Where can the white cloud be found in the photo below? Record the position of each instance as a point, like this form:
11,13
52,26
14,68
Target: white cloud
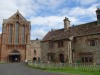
26,7
37,33
82,12
51,21
30,8
50,3
85,2
55,22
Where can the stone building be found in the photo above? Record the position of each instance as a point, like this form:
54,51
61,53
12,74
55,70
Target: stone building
80,44
35,53
15,39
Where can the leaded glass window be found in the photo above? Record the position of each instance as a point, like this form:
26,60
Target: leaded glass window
23,34
16,32
10,34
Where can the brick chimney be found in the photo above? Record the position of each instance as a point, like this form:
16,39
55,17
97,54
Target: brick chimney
66,24
98,16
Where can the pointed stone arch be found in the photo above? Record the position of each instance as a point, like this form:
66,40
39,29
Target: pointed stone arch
14,56
14,52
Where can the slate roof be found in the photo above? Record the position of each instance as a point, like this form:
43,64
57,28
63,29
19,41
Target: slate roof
75,31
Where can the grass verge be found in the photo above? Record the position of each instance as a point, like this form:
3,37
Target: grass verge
66,71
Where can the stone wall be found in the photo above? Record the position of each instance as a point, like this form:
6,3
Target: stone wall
78,45
35,51
56,50
82,45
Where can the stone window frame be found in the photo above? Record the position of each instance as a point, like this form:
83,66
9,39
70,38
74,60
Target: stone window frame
86,57
51,57
51,44
60,43
93,42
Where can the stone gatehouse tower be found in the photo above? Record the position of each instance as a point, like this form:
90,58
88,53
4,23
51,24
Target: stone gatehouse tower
15,39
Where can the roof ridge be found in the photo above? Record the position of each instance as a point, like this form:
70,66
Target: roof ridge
82,29
85,23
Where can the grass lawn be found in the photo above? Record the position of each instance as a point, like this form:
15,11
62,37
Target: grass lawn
74,72
66,71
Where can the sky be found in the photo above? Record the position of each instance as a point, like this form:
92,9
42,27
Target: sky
46,15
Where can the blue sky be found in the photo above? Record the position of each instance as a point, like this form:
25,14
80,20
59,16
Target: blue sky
49,14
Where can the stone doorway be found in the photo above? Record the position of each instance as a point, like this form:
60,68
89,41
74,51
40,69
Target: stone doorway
14,56
61,58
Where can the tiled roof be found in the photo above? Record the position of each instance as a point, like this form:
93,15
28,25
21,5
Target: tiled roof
79,30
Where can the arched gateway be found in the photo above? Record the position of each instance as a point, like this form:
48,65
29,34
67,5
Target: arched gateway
14,56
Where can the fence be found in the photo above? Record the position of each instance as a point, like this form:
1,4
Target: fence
63,66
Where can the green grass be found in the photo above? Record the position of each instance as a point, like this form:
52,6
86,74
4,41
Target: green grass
67,70
74,72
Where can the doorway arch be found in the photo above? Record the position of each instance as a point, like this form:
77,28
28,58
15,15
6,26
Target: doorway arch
14,56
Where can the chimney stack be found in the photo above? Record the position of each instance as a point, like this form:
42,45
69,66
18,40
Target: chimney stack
98,16
66,24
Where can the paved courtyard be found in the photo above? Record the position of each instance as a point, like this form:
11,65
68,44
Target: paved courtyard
21,69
